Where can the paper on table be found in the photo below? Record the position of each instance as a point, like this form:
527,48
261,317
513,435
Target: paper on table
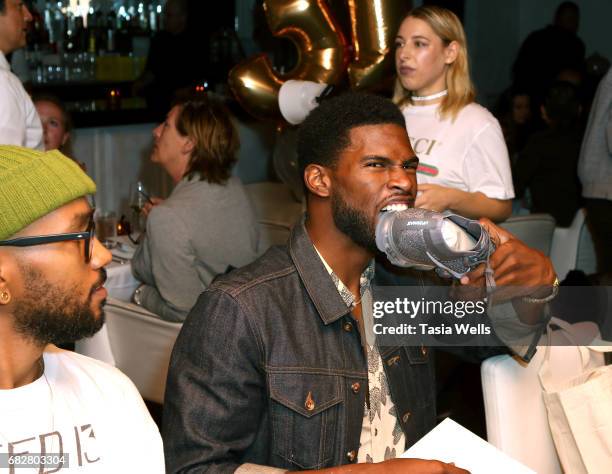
451,442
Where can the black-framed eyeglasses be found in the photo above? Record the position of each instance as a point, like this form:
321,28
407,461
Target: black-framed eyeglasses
88,236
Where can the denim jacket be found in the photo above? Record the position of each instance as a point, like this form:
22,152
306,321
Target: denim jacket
269,369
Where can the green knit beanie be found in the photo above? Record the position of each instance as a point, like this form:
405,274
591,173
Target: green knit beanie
34,183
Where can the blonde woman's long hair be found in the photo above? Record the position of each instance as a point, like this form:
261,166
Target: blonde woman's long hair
461,90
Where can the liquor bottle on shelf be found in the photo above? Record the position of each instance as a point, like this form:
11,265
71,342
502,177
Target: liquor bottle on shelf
111,31
48,18
92,39
143,18
80,35
69,32
154,10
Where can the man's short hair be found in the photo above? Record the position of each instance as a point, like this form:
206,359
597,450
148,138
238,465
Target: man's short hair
207,122
2,7
326,131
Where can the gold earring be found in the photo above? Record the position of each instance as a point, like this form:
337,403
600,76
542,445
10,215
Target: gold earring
5,297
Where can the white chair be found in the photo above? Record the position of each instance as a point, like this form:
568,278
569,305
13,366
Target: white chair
535,230
276,210
572,247
138,343
517,422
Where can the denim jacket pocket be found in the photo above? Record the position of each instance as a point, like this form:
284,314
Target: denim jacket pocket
417,354
305,411
404,366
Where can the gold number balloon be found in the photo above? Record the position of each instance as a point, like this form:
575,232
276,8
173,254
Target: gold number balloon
321,48
374,24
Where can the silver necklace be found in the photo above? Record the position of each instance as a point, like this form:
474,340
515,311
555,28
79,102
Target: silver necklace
423,98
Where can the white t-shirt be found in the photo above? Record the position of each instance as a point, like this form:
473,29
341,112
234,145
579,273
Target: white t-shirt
19,121
83,408
468,153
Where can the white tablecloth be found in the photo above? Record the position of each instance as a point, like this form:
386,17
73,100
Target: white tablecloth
120,283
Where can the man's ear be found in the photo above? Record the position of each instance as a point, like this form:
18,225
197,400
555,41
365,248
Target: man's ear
5,294
188,146
317,180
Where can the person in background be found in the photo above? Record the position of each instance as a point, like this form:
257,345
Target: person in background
207,225
547,167
19,122
516,119
56,123
171,66
595,172
53,401
547,52
464,163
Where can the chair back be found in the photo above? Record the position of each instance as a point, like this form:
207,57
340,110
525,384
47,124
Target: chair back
535,230
276,210
572,247
516,418
141,345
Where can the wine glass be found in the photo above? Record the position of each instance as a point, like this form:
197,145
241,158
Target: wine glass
138,198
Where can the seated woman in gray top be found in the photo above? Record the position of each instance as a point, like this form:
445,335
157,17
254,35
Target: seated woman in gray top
207,225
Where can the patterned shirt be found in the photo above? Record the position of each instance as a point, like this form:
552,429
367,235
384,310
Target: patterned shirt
381,435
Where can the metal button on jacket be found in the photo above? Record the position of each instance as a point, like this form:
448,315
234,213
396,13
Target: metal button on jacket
348,327
309,403
351,456
355,387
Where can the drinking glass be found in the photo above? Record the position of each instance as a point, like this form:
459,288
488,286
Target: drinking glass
138,198
106,227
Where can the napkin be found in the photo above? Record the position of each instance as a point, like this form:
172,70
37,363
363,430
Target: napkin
451,442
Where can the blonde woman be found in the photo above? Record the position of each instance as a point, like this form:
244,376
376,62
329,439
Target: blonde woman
464,165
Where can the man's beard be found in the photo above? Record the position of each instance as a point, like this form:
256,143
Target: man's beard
353,222
49,314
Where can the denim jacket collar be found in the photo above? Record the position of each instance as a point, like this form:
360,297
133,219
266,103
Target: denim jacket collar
316,279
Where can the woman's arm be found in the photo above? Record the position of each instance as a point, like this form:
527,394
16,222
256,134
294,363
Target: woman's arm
472,205
175,284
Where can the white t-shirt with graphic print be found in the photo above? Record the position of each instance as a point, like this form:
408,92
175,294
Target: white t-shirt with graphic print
468,153
83,408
